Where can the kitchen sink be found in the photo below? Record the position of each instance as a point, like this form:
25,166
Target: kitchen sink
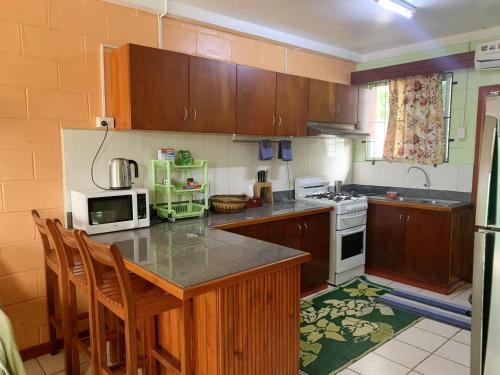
437,202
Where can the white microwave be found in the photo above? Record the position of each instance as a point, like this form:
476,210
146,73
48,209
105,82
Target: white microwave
110,210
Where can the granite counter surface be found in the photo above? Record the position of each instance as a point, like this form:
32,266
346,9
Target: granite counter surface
190,252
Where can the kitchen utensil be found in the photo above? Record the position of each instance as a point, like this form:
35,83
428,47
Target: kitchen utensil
338,187
228,204
120,177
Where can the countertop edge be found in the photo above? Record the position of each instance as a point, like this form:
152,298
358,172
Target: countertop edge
198,289
267,219
422,206
195,290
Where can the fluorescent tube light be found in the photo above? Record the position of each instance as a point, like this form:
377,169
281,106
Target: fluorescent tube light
397,6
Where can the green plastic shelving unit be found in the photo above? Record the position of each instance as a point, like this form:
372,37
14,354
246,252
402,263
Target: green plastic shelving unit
170,199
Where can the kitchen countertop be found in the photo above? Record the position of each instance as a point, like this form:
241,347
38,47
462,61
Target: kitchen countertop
268,212
191,252
423,203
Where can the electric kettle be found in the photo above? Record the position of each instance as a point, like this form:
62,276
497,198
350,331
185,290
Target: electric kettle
120,177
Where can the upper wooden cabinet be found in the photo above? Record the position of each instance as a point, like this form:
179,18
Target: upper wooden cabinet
292,104
256,101
321,101
333,102
212,96
346,104
149,88
155,89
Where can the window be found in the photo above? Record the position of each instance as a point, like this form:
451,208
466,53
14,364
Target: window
378,127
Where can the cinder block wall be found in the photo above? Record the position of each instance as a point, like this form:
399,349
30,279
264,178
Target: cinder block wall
49,79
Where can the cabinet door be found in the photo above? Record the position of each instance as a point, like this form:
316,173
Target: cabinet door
257,231
286,232
321,100
149,88
427,245
316,241
212,96
292,100
385,238
256,101
346,104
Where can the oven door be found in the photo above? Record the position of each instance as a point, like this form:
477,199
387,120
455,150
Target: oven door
350,248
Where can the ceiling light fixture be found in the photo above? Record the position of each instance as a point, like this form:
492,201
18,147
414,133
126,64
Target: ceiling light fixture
397,6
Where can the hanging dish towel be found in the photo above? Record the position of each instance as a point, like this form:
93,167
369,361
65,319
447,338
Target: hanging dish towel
285,151
265,150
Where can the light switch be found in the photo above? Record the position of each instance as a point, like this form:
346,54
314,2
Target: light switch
460,133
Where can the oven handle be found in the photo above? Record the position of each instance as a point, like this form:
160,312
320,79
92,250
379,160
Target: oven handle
346,232
352,215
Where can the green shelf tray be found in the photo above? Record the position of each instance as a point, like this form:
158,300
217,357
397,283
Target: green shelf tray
163,165
181,210
179,191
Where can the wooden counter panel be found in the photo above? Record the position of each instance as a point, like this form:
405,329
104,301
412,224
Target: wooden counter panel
250,328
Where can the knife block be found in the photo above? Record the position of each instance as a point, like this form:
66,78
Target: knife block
267,187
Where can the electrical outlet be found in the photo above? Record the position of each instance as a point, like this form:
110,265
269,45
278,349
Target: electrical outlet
100,122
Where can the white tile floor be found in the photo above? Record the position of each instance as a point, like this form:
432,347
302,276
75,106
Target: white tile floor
428,348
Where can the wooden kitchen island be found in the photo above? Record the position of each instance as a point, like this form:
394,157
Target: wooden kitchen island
241,296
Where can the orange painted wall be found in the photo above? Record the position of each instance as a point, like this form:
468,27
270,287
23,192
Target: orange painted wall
49,78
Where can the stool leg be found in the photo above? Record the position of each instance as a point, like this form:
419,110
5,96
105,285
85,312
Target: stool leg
49,284
100,339
131,346
150,339
73,329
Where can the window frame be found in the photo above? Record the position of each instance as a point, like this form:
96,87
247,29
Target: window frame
447,110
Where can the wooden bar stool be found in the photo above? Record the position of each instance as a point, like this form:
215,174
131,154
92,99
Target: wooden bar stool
56,279
134,300
79,280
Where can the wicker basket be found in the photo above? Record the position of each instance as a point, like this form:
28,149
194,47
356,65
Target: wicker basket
228,204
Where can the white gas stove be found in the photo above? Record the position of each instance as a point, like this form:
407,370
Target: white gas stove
348,226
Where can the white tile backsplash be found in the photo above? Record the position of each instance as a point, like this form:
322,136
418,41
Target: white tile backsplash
232,166
452,177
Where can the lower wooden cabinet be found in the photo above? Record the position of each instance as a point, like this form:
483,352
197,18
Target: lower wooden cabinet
309,233
431,248
385,238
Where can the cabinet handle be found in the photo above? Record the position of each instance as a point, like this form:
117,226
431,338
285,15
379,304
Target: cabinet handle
279,121
300,228
408,218
185,113
305,226
194,114
274,120
401,218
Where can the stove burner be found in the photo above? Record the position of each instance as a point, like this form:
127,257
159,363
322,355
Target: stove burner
331,196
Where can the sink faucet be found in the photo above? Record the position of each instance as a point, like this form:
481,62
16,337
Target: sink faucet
427,180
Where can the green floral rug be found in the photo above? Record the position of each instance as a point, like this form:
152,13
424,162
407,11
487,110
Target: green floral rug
340,326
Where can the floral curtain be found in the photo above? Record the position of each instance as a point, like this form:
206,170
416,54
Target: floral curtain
415,131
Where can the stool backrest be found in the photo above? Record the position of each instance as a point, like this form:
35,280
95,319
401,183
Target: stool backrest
105,259
50,239
68,241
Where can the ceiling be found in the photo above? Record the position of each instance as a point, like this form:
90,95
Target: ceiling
361,25
358,26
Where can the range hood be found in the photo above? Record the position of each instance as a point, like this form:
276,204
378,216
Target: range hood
338,130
